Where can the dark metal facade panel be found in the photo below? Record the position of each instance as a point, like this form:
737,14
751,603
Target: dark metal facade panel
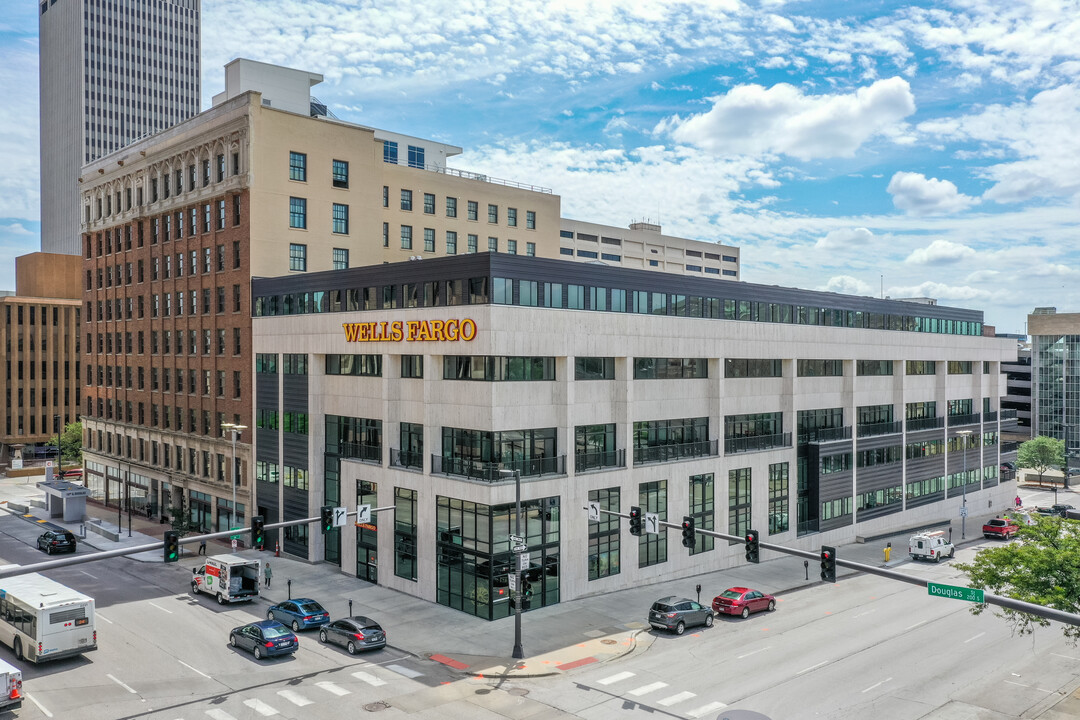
836,522
294,390
295,507
925,468
879,477
266,391
879,511
266,445
834,486
914,436
957,460
928,499
295,450
876,442
267,503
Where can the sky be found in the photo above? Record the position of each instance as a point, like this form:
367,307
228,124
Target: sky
921,149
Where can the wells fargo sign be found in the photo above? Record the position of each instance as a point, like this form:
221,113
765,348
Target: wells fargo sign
410,331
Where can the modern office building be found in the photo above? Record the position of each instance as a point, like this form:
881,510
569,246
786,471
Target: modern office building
39,334
811,417
1055,376
642,245
1018,388
263,184
111,71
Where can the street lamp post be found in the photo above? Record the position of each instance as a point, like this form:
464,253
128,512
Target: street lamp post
519,651
59,462
235,429
965,434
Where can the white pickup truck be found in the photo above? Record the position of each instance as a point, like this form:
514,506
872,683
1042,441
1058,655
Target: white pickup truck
229,578
10,687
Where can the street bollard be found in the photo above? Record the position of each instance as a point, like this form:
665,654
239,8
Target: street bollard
698,595
289,584
888,551
350,608
806,567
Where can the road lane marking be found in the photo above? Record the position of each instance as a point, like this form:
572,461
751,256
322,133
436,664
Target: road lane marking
706,709
368,678
646,689
260,707
407,672
753,652
812,667
877,684
1067,657
149,602
677,698
194,670
218,714
295,698
910,627
99,616
864,613
974,637
40,706
1016,683
126,687
615,678
332,688
88,574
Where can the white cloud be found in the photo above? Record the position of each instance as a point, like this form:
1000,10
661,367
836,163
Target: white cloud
938,252
845,239
919,195
752,119
847,285
941,291
15,229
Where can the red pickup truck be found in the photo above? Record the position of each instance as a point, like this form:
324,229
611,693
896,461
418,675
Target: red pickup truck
1000,528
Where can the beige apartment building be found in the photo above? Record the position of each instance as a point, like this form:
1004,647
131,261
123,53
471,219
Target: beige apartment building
265,183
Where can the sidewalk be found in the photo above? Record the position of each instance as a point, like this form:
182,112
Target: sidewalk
556,639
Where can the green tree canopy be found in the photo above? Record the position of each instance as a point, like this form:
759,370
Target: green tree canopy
70,442
1041,454
1042,566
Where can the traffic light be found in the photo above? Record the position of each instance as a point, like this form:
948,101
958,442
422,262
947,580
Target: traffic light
172,546
828,563
689,539
753,552
257,538
526,594
635,520
327,515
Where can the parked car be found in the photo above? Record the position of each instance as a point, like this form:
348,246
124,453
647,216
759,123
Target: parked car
742,601
299,614
1009,466
1002,528
265,638
931,546
676,614
354,633
56,541
1060,510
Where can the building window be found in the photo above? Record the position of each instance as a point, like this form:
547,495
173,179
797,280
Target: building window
359,365
778,498
429,204
959,367
604,535
511,217
595,447
493,213
473,210
820,368
412,366
385,196
416,156
406,199
511,247
473,242
386,235
594,368
920,367
670,368
738,502
873,367
451,207
341,259
752,368
298,257
652,498
451,242
429,240
702,510
297,212
405,533
530,249
406,237
298,166
341,219
493,244
530,220
389,152
341,174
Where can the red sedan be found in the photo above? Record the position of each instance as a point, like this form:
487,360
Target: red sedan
742,601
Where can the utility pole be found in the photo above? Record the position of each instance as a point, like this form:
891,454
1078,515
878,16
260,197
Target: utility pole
964,435
235,429
519,651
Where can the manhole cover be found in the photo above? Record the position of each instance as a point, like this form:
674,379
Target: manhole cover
376,706
609,641
520,692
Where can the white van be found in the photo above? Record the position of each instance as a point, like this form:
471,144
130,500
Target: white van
931,546
229,578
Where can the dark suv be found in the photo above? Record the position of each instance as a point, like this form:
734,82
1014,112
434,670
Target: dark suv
677,614
54,541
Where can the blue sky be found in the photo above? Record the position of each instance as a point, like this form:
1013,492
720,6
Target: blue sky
926,149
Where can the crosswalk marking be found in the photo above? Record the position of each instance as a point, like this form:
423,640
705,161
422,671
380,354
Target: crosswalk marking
260,707
368,678
332,688
646,689
677,698
218,714
294,697
615,678
407,672
706,709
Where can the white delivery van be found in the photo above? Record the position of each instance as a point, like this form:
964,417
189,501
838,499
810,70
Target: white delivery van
931,546
229,578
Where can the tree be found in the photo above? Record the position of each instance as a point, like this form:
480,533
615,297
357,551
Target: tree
1040,567
1041,454
70,443
181,521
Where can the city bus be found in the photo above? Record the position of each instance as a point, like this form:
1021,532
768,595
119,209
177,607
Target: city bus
40,619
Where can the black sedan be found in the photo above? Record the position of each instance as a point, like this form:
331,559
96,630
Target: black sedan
354,633
264,639
56,541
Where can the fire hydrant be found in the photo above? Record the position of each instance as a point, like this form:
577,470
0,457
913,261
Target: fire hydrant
888,551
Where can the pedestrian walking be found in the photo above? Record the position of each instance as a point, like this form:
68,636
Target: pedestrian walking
202,547
1018,502
267,573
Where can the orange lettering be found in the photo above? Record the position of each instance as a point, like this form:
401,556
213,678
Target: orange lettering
412,325
437,330
396,331
468,329
425,331
451,329
351,331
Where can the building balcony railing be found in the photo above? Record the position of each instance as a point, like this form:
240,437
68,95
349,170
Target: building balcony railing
972,419
807,527
361,451
990,416
406,459
885,428
430,167
756,443
825,434
1008,414
675,451
492,472
584,462
925,423
1009,447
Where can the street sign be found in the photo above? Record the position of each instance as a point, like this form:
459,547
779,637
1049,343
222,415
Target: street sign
523,562
512,579
520,548
339,517
517,539
363,514
652,523
956,592
234,544
963,511
594,512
